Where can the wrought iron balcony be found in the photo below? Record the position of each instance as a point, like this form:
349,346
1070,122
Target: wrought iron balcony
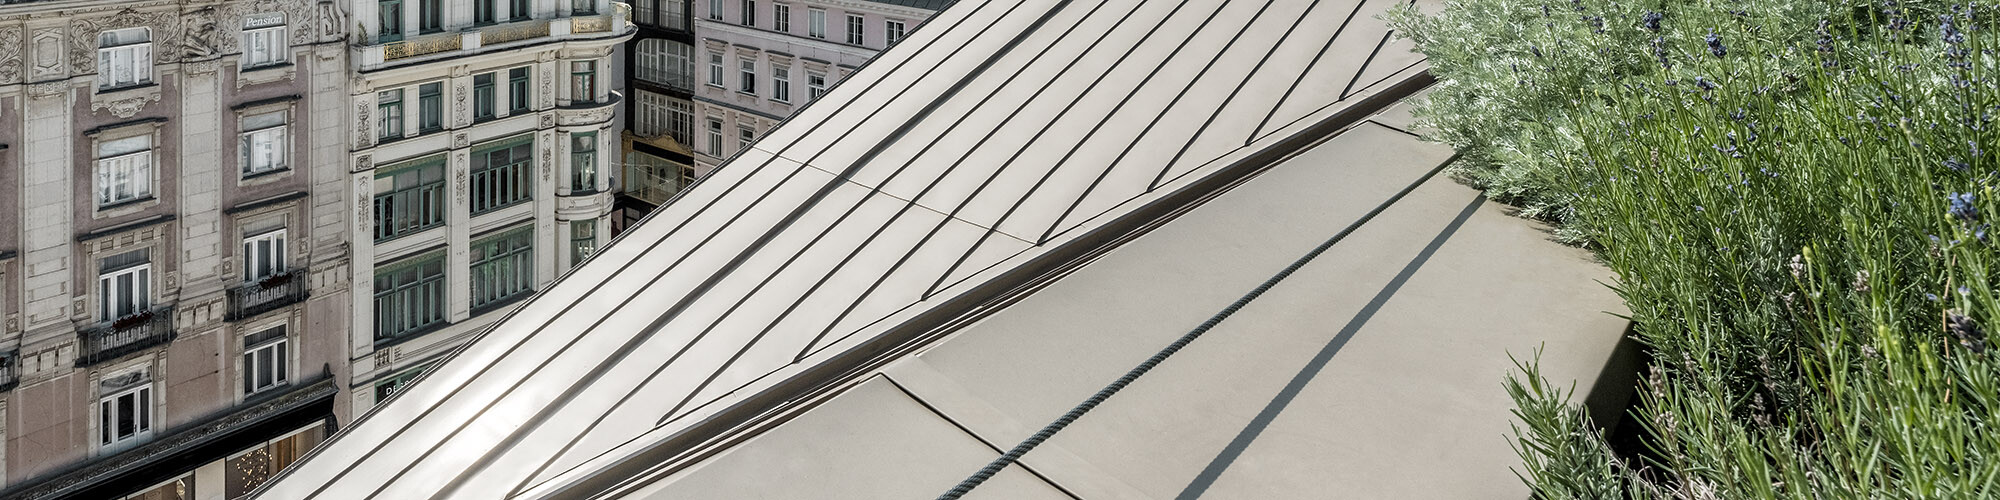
124,336
270,294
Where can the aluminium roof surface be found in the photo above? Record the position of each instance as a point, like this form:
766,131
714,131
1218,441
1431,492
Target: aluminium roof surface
1000,130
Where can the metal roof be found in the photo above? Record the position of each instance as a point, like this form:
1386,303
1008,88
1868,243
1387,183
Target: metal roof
995,140
931,5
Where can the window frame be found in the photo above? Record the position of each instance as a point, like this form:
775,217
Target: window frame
428,196
857,29
781,83
781,17
389,115
430,107
816,22
815,86
490,180
274,351
746,78
492,257
277,44
894,30
715,70
389,21
485,96
520,90
438,285
138,166
276,260
583,81
582,241
583,162
278,135
749,14
715,137
138,56
112,299
143,398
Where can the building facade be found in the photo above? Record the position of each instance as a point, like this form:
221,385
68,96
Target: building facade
758,61
660,123
173,243
485,140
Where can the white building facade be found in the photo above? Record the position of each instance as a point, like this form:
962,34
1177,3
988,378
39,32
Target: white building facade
485,137
758,61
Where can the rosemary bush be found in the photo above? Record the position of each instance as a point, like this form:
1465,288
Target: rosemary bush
1795,198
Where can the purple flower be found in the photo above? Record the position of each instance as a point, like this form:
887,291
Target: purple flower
1651,21
1704,83
1961,207
1956,165
1715,44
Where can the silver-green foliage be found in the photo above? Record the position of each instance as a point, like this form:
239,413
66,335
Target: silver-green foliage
1795,197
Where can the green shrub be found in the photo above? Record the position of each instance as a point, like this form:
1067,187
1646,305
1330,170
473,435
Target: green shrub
1794,196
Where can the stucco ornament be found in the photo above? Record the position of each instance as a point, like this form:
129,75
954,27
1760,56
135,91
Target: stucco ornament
361,125
199,42
126,107
163,27
10,55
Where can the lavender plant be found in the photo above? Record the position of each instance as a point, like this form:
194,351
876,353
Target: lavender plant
1795,196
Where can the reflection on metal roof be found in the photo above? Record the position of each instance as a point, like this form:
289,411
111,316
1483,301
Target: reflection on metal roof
987,146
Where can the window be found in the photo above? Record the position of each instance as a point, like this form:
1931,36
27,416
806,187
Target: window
409,198
264,143
583,162
126,414
482,11
582,81
583,6
816,23
249,469
517,90
430,107
263,255
124,58
781,83
781,17
715,9
264,41
409,295
715,137
392,20
503,266
747,83
124,285
124,170
389,109
482,96
665,62
650,118
855,28
680,120
180,488
893,30
750,13
675,15
745,136
643,11
715,69
582,240
519,10
430,16
501,175
815,86
264,360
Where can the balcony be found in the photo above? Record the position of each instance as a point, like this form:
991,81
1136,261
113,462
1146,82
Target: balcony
472,38
270,294
124,336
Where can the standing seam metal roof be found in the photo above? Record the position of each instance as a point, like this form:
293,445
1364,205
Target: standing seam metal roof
1000,130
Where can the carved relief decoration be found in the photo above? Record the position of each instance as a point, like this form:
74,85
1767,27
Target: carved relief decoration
331,21
48,89
548,161
199,42
83,33
10,55
48,53
361,136
363,190
363,163
458,112
548,120
460,140
585,117
548,87
462,157
126,107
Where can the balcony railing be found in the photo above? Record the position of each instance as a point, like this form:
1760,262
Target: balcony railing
269,294
513,32
653,180
127,335
473,38
421,45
